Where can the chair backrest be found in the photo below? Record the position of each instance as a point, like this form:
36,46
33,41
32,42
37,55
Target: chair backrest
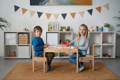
32,51
91,49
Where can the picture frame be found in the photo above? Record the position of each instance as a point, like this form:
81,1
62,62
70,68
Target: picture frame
60,2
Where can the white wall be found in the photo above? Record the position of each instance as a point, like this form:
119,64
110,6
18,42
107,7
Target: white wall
19,21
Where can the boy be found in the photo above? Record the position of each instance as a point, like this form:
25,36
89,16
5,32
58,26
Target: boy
38,46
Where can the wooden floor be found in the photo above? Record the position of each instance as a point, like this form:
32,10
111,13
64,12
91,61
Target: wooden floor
7,64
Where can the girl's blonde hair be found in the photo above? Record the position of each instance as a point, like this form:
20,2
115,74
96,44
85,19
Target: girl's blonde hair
79,35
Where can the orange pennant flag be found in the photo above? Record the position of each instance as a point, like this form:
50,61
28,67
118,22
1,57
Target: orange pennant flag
48,15
32,12
98,9
106,6
73,14
24,10
56,15
82,13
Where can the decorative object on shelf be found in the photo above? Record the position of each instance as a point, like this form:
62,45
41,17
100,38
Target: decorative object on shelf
3,23
66,42
26,30
106,27
91,29
100,29
65,28
106,55
53,26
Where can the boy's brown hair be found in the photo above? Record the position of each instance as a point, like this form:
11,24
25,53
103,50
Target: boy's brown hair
37,28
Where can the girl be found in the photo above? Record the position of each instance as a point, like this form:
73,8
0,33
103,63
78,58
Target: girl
82,43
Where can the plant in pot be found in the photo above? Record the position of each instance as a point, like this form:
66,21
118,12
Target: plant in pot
3,23
106,27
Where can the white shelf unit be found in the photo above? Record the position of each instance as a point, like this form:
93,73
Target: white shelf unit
105,44
17,44
56,37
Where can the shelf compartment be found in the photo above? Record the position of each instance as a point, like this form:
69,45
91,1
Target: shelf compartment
10,51
108,51
108,38
97,51
23,38
10,38
96,37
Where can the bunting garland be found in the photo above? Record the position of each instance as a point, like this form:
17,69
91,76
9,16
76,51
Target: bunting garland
64,15
24,10
48,15
56,15
39,14
99,9
16,8
106,6
73,14
90,11
82,13
32,12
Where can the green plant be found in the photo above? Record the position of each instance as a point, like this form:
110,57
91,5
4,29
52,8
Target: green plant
3,23
106,25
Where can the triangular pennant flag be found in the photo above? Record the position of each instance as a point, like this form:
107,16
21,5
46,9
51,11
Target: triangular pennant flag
48,15
39,14
32,12
64,15
82,13
98,9
73,14
56,15
24,10
16,7
90,11
106,6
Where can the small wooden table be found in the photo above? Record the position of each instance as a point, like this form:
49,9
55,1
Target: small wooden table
62,50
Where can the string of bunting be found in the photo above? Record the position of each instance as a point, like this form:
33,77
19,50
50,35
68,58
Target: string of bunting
64,15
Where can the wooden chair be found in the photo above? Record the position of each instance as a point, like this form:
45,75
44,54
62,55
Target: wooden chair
40,60
89,57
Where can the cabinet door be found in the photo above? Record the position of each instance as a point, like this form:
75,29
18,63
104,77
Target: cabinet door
23,52
10,38
52,38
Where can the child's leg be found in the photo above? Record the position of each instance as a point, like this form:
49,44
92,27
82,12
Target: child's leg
72,58
50,57
81,64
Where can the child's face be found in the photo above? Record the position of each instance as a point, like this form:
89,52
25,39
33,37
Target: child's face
82,31
37,33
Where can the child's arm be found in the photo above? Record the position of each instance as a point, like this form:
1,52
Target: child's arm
85,47
37,45
72,43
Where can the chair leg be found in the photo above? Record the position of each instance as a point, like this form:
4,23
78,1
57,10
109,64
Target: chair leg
93,65
33,65
44,67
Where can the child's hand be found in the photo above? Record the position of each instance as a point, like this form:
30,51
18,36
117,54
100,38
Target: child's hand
46,45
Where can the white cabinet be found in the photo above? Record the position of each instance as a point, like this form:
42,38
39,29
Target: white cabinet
17,44
105,44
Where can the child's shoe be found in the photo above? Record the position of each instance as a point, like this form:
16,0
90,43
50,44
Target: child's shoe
81,68
49,68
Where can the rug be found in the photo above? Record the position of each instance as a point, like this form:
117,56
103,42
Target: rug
60,71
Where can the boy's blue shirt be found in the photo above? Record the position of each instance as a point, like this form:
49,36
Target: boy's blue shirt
38,45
